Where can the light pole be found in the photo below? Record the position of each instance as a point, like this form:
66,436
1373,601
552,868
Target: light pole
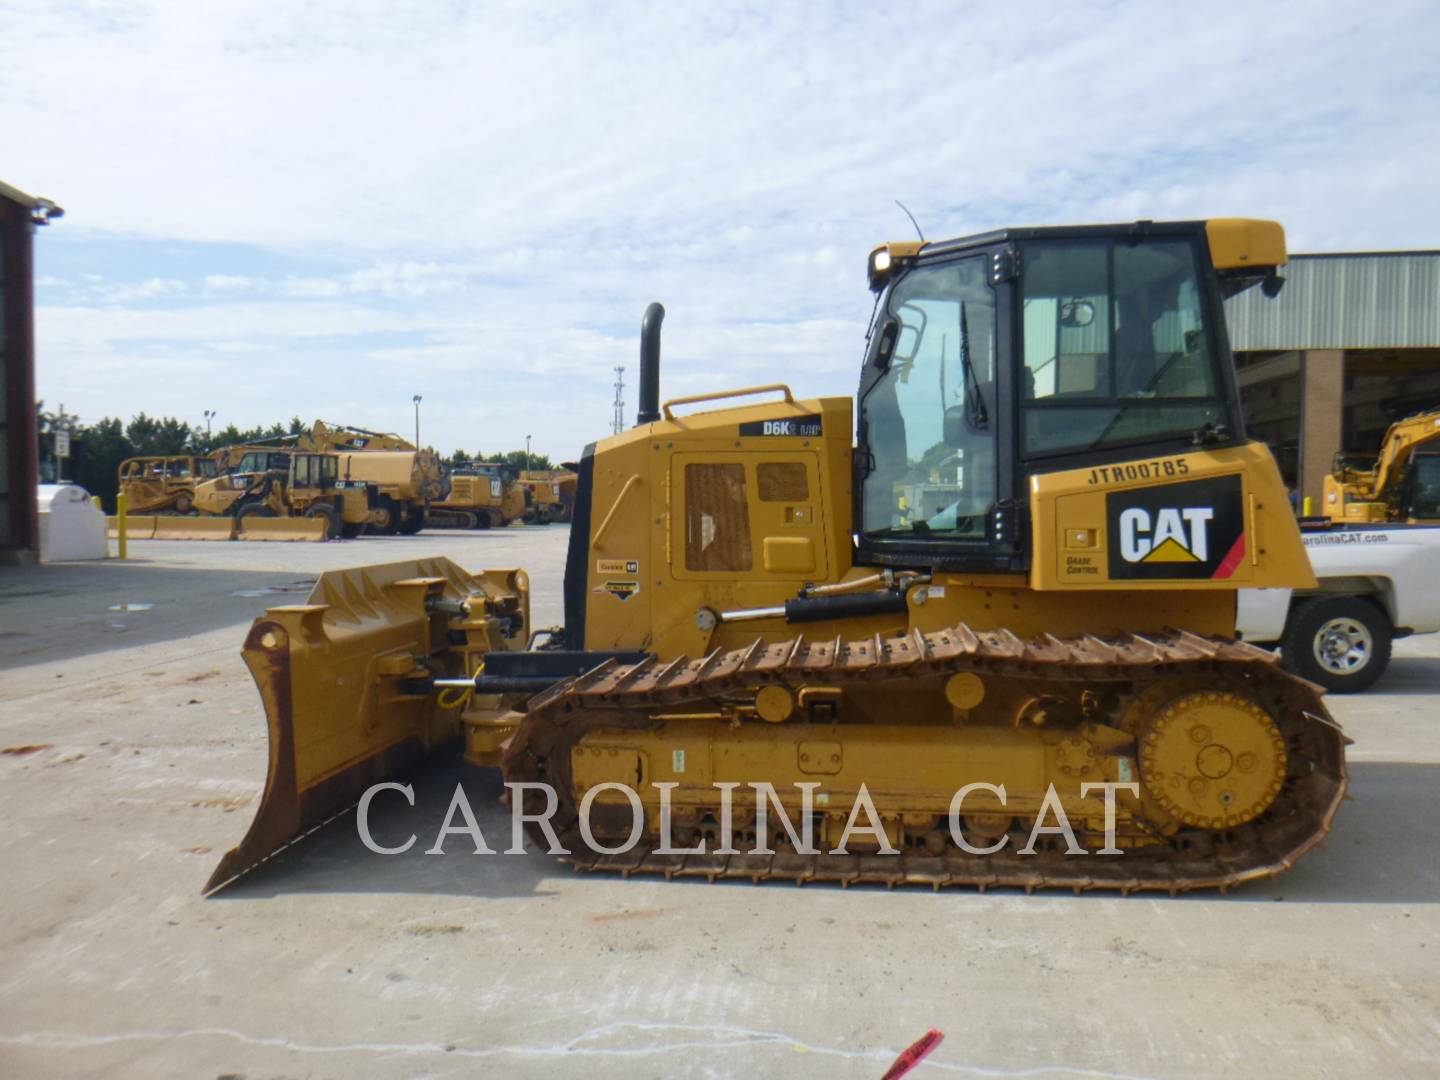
416,400
209,415
527,453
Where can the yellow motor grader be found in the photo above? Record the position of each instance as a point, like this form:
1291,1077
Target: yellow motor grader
749,610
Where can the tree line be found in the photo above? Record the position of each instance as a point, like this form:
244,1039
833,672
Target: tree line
96,450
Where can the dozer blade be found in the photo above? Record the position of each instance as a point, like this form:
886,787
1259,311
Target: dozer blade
194,528
337,676
283,528
137,527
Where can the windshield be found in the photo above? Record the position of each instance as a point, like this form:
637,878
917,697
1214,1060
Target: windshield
260,461
929,420
1116,348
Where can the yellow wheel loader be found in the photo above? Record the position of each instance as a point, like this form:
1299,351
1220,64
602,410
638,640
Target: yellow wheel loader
482,495
405,480
1031,682
159,485
288,484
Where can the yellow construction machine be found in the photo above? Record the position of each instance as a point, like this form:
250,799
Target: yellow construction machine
405,480
482,495
552,495
1402,484
272,483
166,484
759,642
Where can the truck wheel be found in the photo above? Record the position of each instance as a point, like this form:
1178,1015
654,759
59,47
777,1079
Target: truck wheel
183,504
350,530
1340,642
332,522
413,523
385,517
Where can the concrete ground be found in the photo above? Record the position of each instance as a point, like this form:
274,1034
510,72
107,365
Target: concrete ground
134,753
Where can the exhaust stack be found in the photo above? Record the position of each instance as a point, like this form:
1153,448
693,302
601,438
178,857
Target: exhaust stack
650,365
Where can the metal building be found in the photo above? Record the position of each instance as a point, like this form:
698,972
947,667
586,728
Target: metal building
19,521
1351,344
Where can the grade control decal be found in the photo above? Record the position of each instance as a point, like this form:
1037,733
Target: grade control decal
617,566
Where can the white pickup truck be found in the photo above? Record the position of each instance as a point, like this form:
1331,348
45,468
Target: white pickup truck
1376,583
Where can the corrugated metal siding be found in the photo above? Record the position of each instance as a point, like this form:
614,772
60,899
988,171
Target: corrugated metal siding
1344,302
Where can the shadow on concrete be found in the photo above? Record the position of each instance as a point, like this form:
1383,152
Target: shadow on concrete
333,859
1410,675
66,611
1385,849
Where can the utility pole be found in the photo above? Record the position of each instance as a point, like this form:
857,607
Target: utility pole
209,415
416,400
617,425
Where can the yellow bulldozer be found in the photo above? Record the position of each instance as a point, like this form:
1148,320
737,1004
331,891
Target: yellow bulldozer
272,483
770,670
1401,484
483,495
165,484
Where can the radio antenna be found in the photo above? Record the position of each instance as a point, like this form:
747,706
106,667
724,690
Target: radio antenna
911,216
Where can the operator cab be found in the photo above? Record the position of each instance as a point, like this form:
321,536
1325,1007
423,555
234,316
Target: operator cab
998,356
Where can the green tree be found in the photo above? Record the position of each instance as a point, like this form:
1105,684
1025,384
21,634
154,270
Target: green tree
98,450
516,459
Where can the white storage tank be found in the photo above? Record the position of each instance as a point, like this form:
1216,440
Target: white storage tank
71,527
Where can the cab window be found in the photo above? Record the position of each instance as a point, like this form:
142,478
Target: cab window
1115,345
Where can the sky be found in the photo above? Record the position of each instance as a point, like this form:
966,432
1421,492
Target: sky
322,209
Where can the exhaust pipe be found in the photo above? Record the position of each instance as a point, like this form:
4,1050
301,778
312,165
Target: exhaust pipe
650,364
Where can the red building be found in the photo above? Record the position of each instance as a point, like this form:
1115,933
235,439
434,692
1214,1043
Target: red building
19,523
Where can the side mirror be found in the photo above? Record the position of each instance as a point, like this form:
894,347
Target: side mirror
1075,314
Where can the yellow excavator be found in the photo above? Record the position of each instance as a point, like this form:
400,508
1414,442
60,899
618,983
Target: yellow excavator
749,609
1403,483
483,495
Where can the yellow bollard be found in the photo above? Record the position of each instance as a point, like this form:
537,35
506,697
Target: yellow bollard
1305,506
98,504
120,523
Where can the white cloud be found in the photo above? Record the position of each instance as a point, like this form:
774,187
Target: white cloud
497,190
